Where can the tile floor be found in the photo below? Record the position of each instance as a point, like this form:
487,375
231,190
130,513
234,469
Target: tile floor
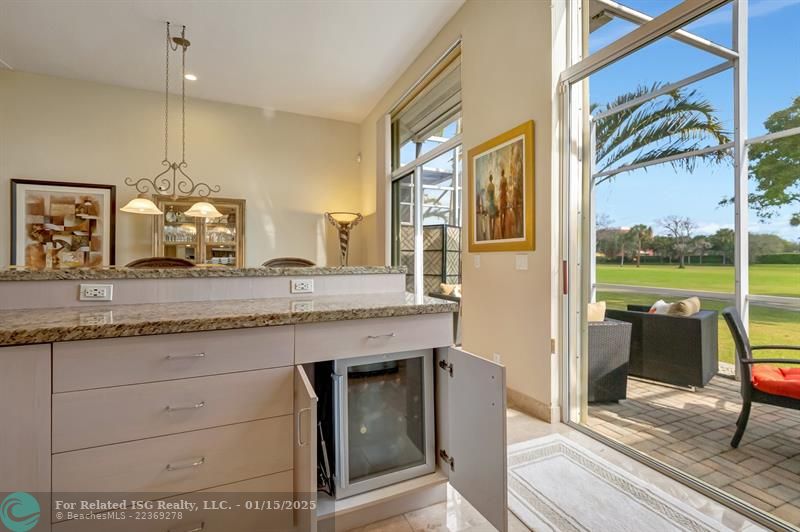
456,515
692,431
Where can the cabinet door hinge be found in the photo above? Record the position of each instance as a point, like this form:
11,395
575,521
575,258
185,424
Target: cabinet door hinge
447,458
447,367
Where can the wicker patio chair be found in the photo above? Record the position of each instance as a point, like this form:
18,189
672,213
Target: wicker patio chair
679,350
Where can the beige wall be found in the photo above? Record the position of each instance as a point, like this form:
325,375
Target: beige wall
507,78
290,168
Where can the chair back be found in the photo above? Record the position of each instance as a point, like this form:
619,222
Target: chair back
288,262
740,339
160,262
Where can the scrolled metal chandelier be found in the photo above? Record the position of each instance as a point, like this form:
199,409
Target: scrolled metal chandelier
174,180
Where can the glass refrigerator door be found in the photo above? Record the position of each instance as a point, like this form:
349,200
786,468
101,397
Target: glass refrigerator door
387,420
386,427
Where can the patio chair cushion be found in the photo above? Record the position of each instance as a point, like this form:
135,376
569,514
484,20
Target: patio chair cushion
777,381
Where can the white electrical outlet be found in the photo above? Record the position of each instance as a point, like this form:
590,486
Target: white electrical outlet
96,292
302,306
302,286
96,318
496,357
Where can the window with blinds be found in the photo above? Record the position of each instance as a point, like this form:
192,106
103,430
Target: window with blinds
427,178
430,113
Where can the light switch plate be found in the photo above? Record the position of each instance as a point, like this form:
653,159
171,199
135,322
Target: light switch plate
302,286
522,262
477,261
96,292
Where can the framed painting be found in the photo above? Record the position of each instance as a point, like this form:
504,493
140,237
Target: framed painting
500,191
62,225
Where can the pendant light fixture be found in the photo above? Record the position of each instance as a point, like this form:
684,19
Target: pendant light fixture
179,184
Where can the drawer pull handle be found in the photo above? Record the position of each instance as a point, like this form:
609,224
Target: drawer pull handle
194,406
194,528
376,336
184,357
197,463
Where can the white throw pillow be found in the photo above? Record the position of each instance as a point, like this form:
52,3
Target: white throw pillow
687,307
660,307
597,311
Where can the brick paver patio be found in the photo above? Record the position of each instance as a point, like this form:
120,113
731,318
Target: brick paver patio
692,431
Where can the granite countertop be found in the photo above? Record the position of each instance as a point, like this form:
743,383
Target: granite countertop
36,326
81,274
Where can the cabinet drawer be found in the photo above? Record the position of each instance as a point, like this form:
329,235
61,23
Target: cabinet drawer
315,342
116,361
90,418
179,463
271,487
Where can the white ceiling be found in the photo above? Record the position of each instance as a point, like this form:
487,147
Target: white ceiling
328,58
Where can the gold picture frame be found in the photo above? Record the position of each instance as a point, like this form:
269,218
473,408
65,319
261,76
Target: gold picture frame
501,214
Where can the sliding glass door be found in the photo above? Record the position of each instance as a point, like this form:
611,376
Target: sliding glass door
670,193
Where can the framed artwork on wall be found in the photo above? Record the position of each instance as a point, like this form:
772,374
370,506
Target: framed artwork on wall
501,192
61,225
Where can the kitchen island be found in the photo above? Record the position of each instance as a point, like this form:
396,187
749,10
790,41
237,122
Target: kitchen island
200,390
36,326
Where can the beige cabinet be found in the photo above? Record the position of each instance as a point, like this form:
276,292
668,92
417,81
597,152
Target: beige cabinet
189,412
25,418
208,241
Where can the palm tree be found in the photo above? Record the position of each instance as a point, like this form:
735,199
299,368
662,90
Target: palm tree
679,121
641,235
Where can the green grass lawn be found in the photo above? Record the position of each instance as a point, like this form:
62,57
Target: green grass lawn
765,279
767,326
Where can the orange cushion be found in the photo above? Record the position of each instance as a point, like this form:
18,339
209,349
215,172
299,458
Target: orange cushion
777,381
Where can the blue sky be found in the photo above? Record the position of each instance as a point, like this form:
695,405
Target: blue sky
774,80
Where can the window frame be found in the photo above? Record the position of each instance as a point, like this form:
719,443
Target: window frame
415,167
576,195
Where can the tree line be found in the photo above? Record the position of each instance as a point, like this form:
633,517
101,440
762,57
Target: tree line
678,242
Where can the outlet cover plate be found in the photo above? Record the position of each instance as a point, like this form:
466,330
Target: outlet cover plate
96,292
302,286
302,306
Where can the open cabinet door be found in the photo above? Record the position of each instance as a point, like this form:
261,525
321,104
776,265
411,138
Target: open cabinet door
476,406
305,452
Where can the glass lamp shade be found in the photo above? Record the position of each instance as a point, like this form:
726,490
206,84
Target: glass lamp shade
141,205
344,218
203,209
